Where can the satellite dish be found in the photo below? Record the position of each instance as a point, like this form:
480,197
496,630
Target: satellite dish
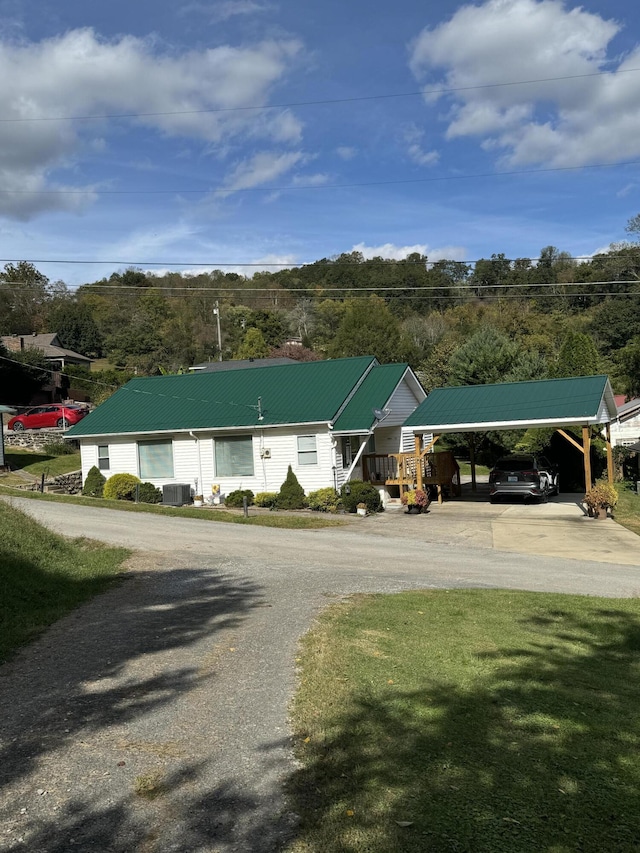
379,414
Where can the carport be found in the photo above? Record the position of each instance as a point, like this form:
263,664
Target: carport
563,404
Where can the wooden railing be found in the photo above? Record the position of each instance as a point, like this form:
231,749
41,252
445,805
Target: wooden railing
408,471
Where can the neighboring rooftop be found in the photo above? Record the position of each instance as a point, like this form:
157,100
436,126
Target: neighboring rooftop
48,343
239,364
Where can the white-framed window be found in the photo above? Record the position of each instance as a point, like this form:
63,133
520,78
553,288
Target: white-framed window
103,457
307,450
234,456
155,459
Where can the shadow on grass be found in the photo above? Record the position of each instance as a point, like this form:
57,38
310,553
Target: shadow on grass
540,755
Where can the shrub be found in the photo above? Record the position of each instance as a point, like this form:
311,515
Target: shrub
148,494
266,499
291,494
357,492
324,500
94,484
234,499
121,487
600,496
59,448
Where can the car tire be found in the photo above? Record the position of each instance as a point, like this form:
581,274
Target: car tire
18,426
60,422
556,486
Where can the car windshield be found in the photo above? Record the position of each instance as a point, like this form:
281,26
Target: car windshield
515,463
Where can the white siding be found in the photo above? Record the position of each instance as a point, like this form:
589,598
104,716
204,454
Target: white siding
627,432
387,439
195,458
403,403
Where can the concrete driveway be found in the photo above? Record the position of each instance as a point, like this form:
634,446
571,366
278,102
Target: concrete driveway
154,718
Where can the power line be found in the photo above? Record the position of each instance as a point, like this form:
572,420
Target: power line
321,102
358,185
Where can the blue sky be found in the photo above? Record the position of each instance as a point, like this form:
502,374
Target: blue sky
185,170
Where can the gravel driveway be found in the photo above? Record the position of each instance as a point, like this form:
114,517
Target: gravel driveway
154,718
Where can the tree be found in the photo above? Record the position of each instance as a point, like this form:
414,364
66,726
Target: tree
633,225
253,345
21,375
76,328
24,293
578,356
629,363
488,356
369,328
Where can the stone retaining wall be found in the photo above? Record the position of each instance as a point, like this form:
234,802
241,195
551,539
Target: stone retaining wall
33,439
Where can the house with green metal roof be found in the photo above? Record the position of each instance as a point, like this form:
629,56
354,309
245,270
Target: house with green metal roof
241,429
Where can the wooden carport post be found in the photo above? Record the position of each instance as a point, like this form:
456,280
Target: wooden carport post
472,460
610,473
585,449
586,444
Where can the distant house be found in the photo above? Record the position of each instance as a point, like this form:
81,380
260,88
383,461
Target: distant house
49,345
625,430
242,428
55,354
239,364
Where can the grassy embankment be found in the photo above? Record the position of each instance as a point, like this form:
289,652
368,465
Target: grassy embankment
470,720
627,512
37,464
43,576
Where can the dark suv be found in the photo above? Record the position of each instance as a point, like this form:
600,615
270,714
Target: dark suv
523,474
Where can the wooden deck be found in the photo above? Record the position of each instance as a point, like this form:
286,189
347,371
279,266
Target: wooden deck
411,471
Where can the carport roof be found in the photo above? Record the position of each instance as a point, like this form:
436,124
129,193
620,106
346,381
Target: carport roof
581,400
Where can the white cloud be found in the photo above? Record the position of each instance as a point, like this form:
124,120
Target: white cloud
265,263
399,253
79,74
413,137
346,152
569,122
217,12
261,168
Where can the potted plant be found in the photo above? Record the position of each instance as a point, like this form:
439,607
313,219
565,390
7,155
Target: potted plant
361,509
599,498
415,500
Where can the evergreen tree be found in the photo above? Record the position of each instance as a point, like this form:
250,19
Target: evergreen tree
578,356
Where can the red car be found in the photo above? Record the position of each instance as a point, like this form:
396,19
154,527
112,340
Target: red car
54,415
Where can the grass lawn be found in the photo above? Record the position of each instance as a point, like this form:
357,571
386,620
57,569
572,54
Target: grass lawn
627,513
37,464
470,721
465,469
43,576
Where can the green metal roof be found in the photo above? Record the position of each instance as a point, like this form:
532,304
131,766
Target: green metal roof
304,392
514,405
374,393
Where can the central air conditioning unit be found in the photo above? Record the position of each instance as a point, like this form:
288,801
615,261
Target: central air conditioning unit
176,494
265,453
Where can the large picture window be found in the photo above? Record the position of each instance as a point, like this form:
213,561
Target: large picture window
155,459
234,456
307,450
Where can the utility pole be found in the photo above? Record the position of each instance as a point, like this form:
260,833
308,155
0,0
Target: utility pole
216,311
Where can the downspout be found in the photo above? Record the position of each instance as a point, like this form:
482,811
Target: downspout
200,483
